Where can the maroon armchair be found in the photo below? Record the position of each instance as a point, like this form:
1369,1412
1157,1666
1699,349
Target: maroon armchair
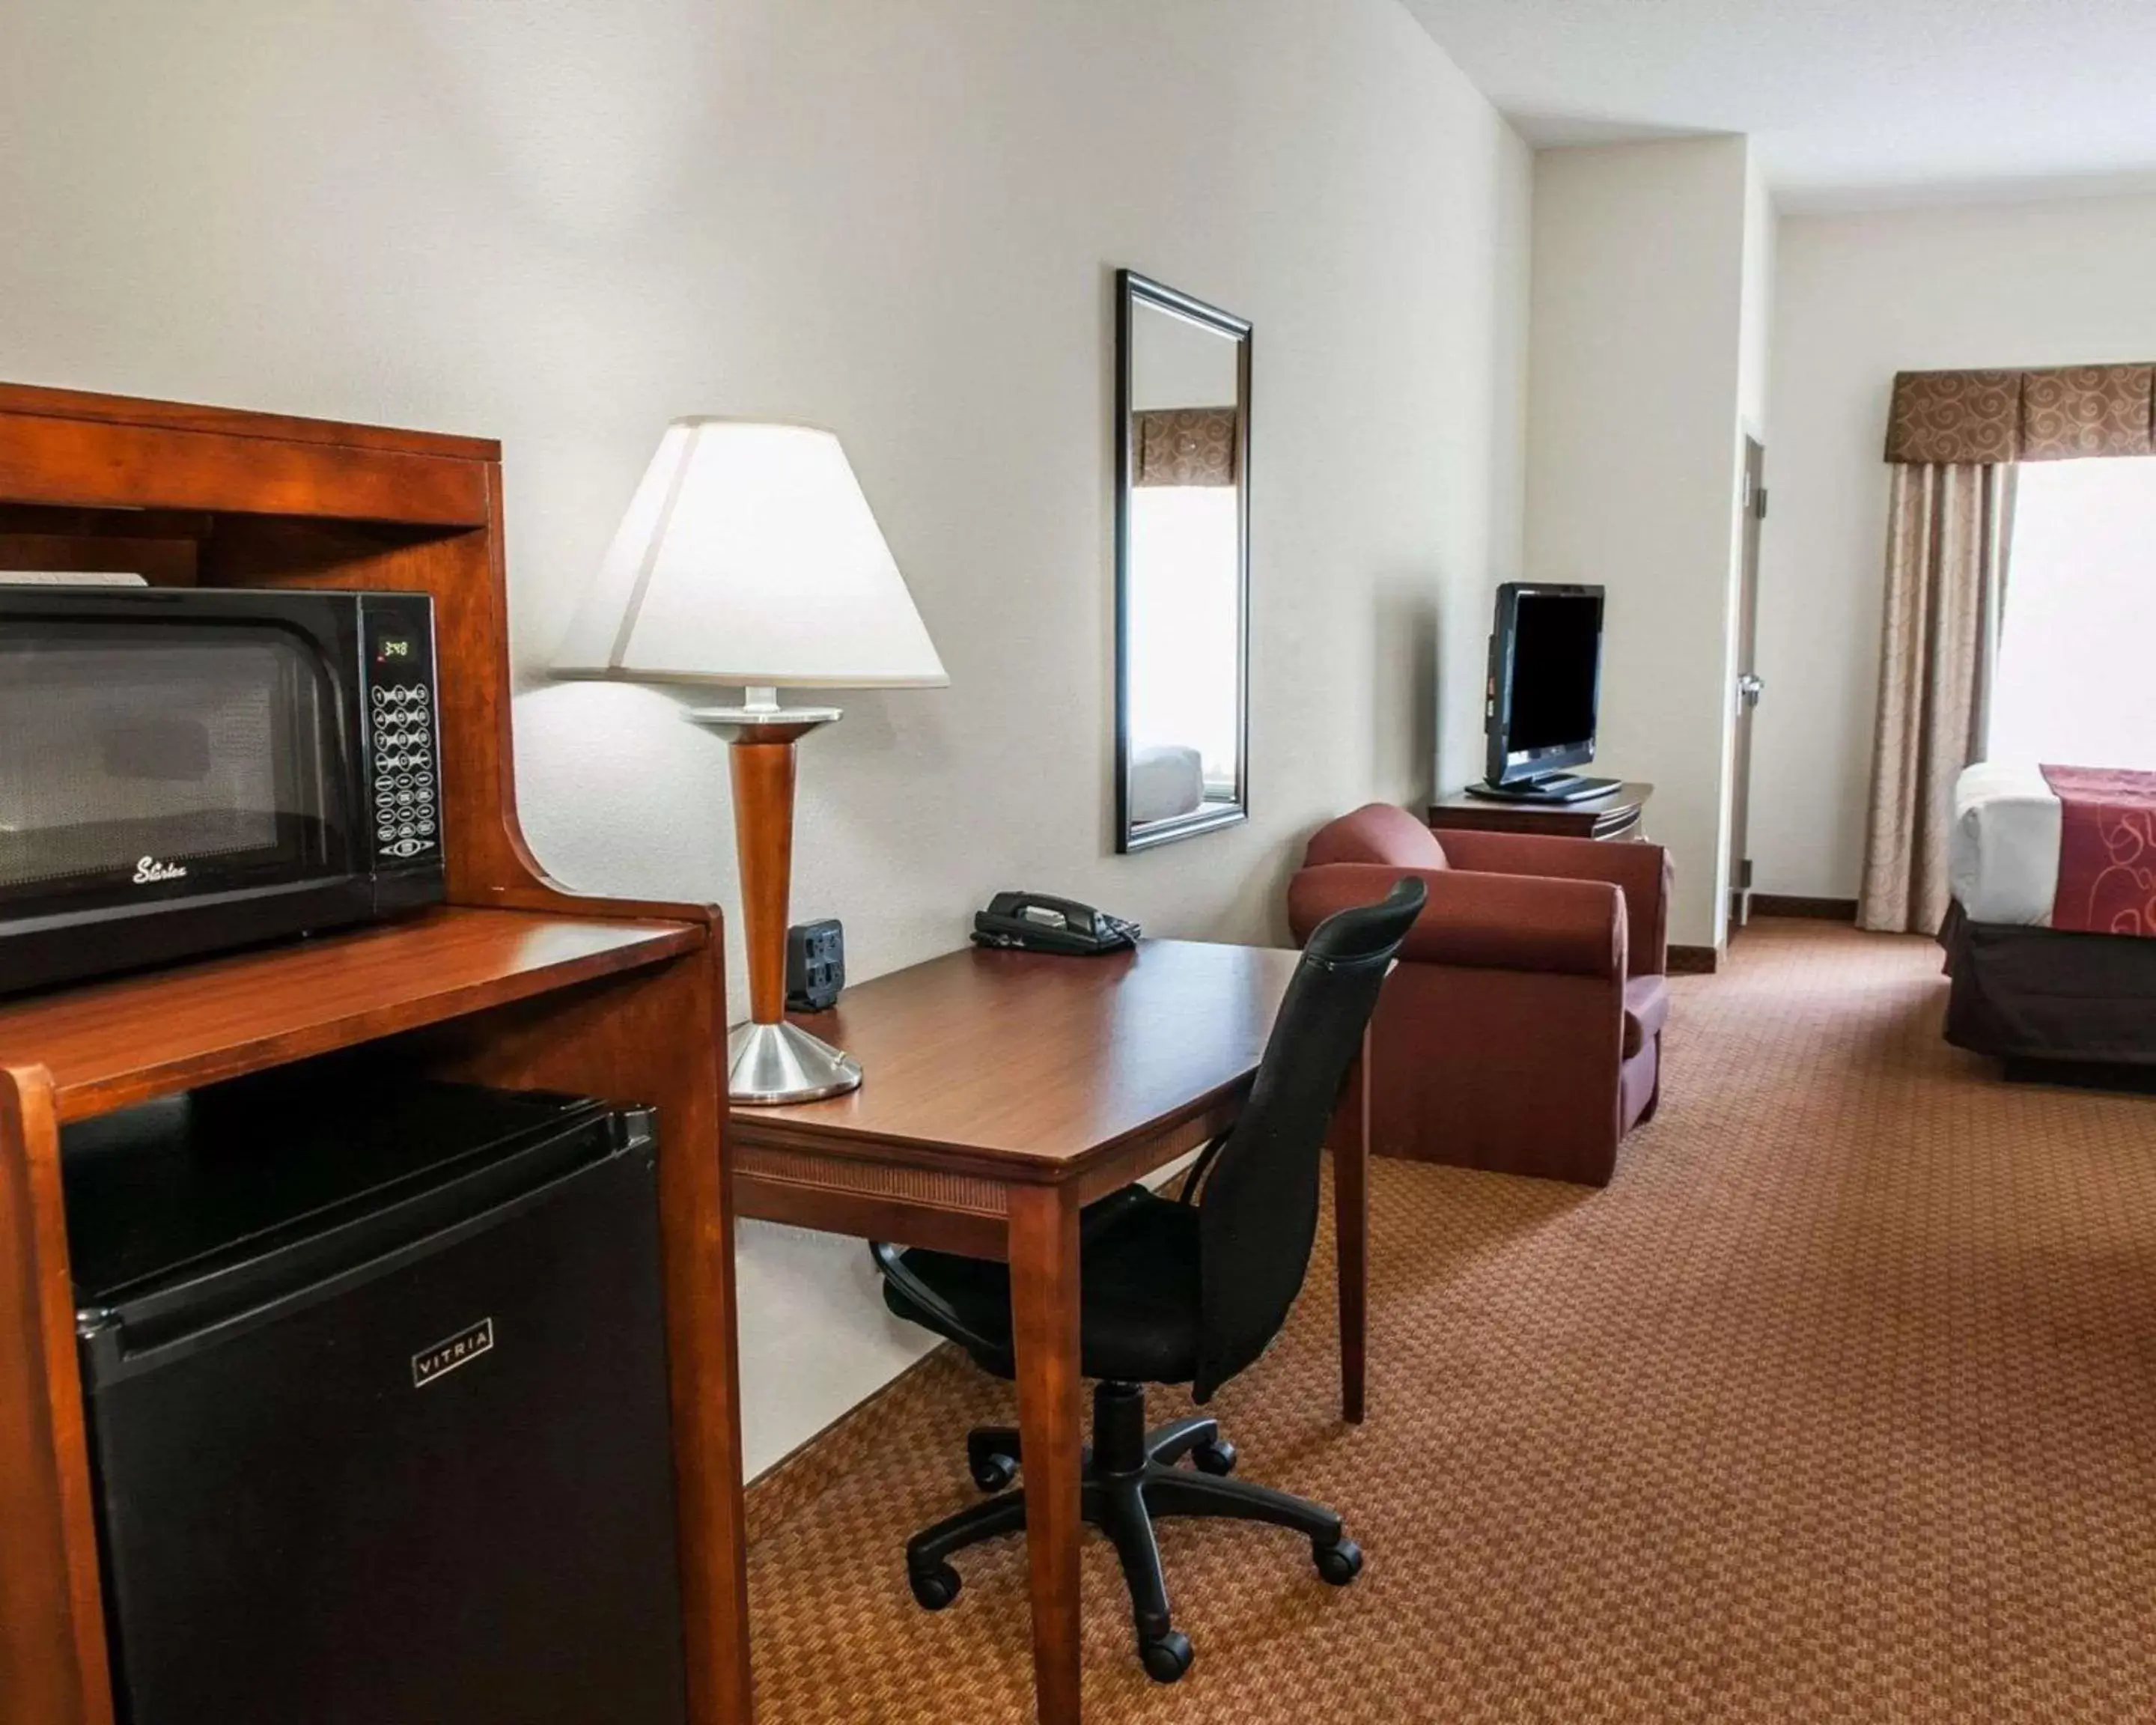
1522,1030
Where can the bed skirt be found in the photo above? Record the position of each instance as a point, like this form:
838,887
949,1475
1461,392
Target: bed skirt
2045,995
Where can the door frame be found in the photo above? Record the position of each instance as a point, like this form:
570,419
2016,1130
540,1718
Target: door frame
1745,686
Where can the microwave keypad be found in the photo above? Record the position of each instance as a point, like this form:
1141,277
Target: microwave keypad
405,807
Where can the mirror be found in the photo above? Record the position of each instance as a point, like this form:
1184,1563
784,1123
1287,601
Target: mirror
1183,559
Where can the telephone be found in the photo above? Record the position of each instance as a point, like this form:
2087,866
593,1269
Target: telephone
1040,923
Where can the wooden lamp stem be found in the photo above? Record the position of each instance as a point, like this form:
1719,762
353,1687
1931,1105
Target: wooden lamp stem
763,839
769,1060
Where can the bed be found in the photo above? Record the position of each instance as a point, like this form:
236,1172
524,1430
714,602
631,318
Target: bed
2052,1002
2004,865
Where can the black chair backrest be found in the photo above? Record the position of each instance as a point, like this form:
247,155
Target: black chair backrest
1257,1213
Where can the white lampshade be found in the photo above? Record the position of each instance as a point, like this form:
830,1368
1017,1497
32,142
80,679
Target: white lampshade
749,555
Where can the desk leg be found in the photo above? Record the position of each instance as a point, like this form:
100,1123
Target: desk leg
1044,1270
1351,1230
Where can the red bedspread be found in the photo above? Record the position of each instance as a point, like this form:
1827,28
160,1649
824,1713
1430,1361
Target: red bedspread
2107,850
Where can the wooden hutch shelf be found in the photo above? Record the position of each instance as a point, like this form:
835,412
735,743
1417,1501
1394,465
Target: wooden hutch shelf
514,982
205,1022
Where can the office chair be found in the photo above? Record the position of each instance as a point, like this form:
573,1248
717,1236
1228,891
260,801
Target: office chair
1176,1291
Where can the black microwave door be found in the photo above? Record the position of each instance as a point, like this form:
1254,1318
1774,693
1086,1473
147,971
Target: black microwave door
145,759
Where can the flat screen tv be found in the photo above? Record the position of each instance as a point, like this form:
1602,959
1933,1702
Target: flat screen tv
1545,689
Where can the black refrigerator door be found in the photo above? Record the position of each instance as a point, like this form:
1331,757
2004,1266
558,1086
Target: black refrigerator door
436,1488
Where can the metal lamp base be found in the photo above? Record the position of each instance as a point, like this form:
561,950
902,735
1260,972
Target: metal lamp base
768,1065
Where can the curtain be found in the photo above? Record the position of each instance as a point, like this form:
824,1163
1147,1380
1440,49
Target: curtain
1947,547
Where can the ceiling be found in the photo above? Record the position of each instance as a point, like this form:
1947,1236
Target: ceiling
1850,103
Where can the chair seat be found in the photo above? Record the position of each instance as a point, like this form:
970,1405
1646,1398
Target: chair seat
1138,1291
1646,1010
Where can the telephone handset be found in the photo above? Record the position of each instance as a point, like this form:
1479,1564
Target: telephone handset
1039,923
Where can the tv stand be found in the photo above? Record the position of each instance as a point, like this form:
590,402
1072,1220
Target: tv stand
1614,816
1551,788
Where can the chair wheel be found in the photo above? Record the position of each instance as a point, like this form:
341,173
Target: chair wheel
1167,1658
1340,1563
933,1588
994,1473
1216,1458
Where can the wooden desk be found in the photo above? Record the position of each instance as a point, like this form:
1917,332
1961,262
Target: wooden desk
1004,1091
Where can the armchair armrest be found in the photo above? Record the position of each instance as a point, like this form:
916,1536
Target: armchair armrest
1641,871
1488,922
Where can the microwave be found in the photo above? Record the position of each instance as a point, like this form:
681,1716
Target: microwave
187,769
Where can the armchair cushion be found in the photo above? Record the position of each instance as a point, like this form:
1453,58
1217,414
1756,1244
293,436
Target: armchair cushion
1487,921
1376,833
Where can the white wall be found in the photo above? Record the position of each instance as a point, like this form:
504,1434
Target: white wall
1859,297
562,223
1633,412
1755,329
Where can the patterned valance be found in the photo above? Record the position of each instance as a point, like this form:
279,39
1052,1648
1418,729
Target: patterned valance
1184,446
2085,410
1955,416
1995,416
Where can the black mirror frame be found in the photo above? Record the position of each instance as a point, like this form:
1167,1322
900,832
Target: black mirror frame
1132,290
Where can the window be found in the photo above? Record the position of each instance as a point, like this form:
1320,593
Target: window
2077,686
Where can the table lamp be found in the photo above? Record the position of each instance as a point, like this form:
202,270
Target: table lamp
749,555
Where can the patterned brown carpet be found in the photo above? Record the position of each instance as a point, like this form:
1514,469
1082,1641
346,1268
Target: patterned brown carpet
1839,1403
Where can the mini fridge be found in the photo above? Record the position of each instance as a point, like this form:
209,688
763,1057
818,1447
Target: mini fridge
376,1377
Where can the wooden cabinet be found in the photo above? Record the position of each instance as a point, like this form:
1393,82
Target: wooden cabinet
514,982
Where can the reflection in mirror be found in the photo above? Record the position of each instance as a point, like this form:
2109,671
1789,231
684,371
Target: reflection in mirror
1182,565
